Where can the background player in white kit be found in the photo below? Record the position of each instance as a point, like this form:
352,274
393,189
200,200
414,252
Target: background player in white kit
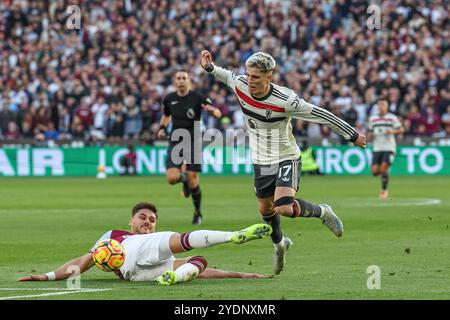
149,254
383,129
268,109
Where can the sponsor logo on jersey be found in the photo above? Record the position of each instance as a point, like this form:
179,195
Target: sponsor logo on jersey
296,103
190,113
251,123
268,113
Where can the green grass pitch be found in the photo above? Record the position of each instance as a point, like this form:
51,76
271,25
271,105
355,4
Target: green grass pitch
47,221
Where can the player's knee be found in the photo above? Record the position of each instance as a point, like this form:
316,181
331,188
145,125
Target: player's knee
192,182
285,210
266,209
375,171
172,179
198,261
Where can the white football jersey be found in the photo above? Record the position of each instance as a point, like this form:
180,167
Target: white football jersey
379,125
268,119
143,253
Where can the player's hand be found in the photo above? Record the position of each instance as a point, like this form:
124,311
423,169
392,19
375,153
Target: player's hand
38,277
389,131
161,134
206,59
207,107
361,141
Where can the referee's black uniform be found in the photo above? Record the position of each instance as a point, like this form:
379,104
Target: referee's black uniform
186,111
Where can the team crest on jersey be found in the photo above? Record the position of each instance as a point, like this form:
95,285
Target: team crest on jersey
268,113
190,113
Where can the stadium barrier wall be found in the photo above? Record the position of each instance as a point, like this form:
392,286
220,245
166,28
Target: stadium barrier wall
333,160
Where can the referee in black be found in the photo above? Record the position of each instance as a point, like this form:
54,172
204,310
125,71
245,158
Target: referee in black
184,108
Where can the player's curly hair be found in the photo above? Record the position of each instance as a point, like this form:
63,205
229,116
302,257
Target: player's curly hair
261,61
144,205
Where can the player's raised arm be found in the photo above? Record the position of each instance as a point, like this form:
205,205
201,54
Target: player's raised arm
82,264
224,75
206,60
299,108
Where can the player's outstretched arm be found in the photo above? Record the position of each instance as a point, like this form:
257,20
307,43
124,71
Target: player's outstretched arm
206,60
82,264
299,108
217,273
360,141
222,74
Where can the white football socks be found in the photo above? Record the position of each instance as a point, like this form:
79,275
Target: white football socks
323,211
207,238
186,272
279,245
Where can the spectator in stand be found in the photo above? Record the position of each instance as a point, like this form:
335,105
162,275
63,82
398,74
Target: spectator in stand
27,129
84,113
444,100
40,121
64,123
115,121
6,116
432,121
51,133
414,121
133,119
13,131
130,48
446,121
99,111
78,130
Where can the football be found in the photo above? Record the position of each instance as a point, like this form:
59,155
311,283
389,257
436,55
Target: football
108,255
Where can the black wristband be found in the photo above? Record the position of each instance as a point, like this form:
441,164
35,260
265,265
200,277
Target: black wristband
354,137
210,68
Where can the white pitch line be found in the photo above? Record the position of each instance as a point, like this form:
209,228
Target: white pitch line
399,203
47,289
53,294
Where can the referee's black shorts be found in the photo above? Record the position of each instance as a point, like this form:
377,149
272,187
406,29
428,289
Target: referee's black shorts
178,154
